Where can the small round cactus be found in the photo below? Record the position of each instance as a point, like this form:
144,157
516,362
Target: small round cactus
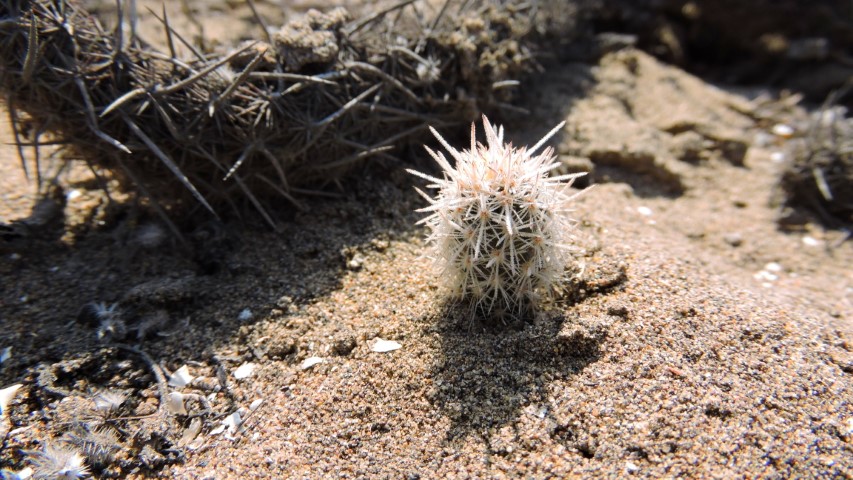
499,225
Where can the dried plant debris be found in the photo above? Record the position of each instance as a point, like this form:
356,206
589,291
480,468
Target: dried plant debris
109,402
99,445
275,118
820,174
117,414
59,462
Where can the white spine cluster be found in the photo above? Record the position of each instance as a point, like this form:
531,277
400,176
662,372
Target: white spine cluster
499,224
59,463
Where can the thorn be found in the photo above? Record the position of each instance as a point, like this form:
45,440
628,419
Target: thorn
32,49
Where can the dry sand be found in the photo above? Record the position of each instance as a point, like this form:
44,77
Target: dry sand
698,340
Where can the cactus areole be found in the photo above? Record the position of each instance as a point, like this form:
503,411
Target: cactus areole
499,228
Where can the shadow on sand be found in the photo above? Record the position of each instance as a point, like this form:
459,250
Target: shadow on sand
488,375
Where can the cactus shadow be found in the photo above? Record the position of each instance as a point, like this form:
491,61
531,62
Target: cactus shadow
487,376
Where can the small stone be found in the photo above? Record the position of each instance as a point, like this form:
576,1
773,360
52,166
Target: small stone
244,371
630,467
280,347
380,244
782,130
811,242
687,146
245,315
734,239
645,211
284,303
343,344
773,267
764,275
356,262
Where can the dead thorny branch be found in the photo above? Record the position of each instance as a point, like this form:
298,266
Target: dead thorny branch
272,117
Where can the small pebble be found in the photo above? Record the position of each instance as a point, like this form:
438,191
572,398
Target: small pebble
811,241
765,275
783,130
773,267
356,262
244,371
734,239
245,315
344,344
645,211
630,467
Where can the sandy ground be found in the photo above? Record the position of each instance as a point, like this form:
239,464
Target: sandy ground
699,339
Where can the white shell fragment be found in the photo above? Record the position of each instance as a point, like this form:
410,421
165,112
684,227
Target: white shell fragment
782,130
190,434
811,241
256,404
5,354
175,403
777,157
644,211
181,377
244,371
232,423
310,362
383,346
22,475
773,267
245,315
6,396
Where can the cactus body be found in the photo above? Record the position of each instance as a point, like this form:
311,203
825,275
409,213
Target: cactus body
498,225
